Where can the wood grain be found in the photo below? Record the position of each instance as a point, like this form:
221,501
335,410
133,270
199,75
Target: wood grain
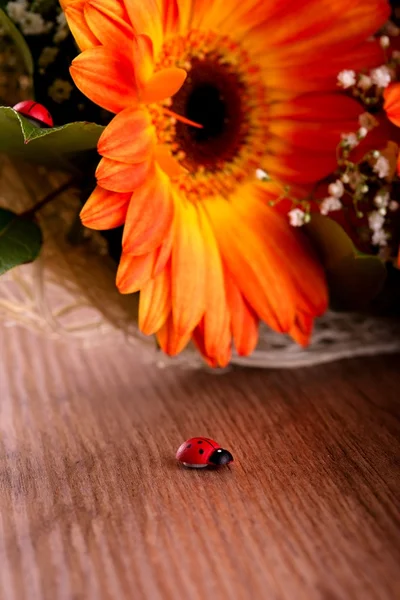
93,505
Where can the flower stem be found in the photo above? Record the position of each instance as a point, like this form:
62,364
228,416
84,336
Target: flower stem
27,214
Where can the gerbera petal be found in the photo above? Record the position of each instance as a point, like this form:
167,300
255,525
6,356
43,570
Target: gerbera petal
105,77
171,341
146,18
155,302
134,271
222,354
121,177
105,209
188,270
243,319
292,252
109,27
216,321
143,59
167,162
149,215
130,137
163,253
170,15
163,84
81,31
302,329
392,103
253,265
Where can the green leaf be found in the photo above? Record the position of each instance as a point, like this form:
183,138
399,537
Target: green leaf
330,241
20,240
355,281
54,146
19,41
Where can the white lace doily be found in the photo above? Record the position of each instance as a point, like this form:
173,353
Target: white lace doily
70,293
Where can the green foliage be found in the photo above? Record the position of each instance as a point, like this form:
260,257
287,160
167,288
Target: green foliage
53,146
354,279
20,240
17,38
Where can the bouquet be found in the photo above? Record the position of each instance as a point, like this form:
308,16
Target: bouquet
241,158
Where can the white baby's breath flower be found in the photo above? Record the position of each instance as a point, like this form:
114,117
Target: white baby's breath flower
346,78
17,10
362,132
393,205
384,41
297,217
367,120
382,167
379,238
336,189
330,204
60,90
345,178
381,76
262,175
375,220
47,56
34,24
350,140
382,199
364,82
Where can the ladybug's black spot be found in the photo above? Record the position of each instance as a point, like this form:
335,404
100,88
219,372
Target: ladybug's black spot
188,446
201,451
199,442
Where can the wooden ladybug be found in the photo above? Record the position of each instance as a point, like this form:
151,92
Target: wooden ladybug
200,452
36,113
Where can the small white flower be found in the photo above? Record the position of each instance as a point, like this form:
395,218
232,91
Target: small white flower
336,189
61,19
350,140
34,24
60,90
345,178
393,205
384,41
355,179
379,238
382,167
47,56
17,10
362,132
330,204
297,217
382,199
262,175
367,121
364,82
381,76
375,220
346,78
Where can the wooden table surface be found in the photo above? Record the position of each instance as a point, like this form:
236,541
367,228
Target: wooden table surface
93,505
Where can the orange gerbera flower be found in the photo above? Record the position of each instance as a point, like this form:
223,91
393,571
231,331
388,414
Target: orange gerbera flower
207,92
392,107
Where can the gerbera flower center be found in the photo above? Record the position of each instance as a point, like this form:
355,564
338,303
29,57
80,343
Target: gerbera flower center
223,92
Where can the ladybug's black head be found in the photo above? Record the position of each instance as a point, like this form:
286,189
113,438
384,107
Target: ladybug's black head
220,457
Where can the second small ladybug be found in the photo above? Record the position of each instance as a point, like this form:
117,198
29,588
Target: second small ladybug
199,452
36,113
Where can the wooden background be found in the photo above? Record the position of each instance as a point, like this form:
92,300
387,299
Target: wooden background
93,505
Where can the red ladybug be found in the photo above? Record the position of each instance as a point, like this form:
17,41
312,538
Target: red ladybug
202,452
35,113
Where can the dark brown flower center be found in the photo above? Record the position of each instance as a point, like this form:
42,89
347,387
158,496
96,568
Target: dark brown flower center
211,96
